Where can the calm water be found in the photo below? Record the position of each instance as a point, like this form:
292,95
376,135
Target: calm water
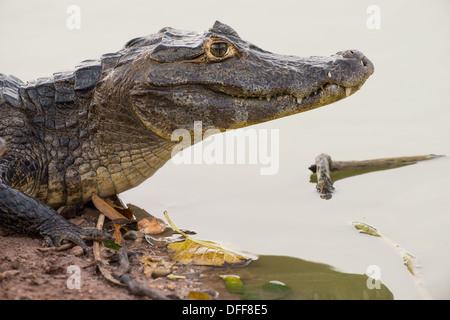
401,110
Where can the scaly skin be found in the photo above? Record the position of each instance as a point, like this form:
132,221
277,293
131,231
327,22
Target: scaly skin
106,126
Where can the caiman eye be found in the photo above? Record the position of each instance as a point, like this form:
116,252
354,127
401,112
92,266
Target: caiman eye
219,49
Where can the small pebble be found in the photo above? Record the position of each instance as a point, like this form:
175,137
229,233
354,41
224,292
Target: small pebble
171,286
77,251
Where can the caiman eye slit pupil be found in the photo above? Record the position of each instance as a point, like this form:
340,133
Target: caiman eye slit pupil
219,49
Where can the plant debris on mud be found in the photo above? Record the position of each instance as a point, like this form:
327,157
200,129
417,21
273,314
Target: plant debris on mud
29,270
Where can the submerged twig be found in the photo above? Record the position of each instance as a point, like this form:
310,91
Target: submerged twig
325,168
324,184
377,163
408,259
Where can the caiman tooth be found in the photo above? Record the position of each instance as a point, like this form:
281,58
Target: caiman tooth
268,98
329,74
299,100
348,91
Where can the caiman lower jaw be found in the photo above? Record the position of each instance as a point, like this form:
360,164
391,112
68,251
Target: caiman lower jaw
323,95
163,109
326,94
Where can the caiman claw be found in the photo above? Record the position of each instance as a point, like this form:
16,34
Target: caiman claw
57,232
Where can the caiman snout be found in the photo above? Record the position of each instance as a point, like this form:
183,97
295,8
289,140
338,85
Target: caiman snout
356,57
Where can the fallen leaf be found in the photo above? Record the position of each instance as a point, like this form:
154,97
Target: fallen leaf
151,225
106,209
156,267
269,291
201,252
126,212
117,236
111,244
365,228
233,283
194,295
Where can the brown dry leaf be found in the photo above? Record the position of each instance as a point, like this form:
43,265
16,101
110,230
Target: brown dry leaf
151,225
126,212
117,235
150,264
106,209
201,252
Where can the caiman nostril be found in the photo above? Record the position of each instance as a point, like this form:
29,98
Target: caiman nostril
359,57
350,54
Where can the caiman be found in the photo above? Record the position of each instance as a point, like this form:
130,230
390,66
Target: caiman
106,126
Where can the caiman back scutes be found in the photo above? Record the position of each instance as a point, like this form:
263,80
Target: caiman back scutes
86,148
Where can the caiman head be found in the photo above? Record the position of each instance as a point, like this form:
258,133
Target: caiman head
178,77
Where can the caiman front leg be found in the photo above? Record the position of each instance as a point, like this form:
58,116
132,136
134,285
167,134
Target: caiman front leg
24,214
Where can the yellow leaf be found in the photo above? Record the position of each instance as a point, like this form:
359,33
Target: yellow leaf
201,252
365,228
194,295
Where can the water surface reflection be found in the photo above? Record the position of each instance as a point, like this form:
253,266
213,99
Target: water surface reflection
307,280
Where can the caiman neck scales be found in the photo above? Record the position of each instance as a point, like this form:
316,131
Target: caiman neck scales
106,126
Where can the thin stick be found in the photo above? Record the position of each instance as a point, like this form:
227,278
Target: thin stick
101,263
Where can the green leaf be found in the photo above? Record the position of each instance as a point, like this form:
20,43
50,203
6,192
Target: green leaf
268,291
365,228
233,283
111,244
